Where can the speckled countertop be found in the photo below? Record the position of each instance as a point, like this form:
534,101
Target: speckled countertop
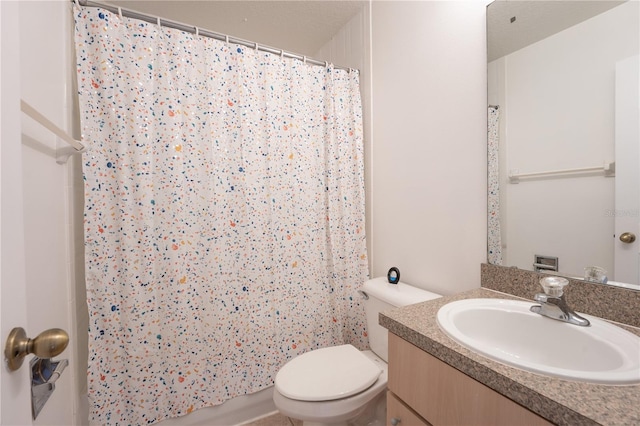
559,401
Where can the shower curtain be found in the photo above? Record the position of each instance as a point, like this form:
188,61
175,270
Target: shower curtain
494,249
224,215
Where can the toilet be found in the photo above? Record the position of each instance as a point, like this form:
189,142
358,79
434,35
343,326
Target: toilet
341,385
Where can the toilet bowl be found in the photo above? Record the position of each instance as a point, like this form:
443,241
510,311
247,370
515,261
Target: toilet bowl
341,385
357,407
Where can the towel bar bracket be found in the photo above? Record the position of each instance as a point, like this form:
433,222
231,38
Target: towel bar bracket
63,154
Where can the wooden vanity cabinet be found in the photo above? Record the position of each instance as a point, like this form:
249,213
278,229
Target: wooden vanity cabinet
398,414
426,391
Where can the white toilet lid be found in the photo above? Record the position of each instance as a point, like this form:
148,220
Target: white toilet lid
327,374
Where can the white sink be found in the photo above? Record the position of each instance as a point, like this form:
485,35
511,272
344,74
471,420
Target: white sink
506,331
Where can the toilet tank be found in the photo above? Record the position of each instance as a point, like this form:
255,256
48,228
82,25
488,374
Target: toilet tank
383,296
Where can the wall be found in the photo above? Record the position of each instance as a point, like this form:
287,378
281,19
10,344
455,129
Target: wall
556,102
428,162
369,43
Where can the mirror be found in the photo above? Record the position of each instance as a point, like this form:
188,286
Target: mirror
563,137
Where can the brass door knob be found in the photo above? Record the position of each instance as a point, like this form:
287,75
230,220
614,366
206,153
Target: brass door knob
627,237
47,344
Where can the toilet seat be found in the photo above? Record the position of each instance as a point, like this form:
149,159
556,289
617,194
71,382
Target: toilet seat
327,374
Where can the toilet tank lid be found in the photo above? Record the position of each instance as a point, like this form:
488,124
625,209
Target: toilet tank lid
400,294
327,374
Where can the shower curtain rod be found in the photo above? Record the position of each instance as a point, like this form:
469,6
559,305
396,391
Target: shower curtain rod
199,31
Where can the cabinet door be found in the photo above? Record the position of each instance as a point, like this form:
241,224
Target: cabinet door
399,414
443,395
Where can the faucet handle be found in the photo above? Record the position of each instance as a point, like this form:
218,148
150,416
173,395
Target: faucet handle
554,286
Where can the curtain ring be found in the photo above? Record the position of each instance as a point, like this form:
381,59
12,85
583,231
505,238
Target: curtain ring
257,47
120,12
304,60
159,23
281,53
197,31
326,64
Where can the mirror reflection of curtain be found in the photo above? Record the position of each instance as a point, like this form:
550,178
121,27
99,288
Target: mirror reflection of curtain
494,243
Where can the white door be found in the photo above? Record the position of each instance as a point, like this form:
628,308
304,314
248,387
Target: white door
35,248
14,389
627,180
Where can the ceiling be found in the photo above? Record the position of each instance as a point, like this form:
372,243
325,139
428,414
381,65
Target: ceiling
305,26
301,26
534,21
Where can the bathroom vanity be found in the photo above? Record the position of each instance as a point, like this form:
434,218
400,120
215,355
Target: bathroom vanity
434,380
410,368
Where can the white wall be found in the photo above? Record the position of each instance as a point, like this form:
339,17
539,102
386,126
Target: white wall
556,102
428,163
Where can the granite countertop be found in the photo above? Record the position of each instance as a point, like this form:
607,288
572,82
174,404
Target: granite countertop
560,401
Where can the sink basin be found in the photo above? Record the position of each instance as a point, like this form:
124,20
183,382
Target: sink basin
506,331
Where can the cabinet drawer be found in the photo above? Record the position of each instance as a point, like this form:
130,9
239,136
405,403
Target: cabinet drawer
443,395
397,410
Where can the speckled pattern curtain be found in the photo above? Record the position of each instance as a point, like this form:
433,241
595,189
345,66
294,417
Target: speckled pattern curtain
224,215
494,249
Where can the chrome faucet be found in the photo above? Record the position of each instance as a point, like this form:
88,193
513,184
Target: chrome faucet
553,304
